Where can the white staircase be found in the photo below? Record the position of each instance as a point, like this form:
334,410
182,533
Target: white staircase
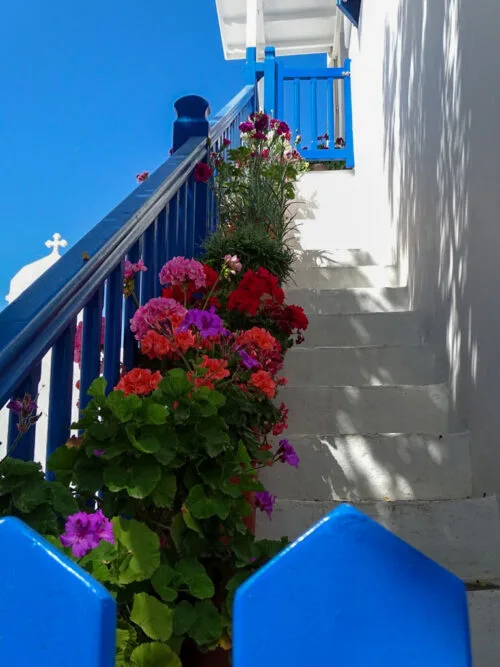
369,419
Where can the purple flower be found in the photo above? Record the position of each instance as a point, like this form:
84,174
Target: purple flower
246,127
24,407
207,322
260,121
264,501
84,532
287,454
98,452
247,361
260,136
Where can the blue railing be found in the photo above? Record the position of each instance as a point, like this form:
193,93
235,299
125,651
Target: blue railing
169,214
316,103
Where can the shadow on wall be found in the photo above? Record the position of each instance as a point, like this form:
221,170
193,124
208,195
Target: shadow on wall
442,110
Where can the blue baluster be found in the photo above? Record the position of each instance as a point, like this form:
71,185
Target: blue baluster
314,112
91,345
349,135
161,246
330,105
296,105
25,447
173,224
280,90
61,391
129,341
113,332
148,277
190,215
270,80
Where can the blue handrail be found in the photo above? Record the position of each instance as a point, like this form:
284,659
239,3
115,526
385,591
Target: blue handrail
168,214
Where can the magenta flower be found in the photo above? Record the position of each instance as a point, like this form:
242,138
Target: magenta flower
226,142
131,269
98,452
24,407
202,172
140,178
246,127
287,454
207,322
260,136
84,532
180,270
264,501
153,313
260,120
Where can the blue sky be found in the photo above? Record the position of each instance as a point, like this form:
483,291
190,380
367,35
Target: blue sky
87,91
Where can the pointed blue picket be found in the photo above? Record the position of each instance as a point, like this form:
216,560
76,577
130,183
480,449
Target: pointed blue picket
51,611
350,594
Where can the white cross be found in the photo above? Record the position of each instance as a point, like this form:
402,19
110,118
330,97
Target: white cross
57,242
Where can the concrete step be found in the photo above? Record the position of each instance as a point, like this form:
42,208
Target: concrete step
398,328
461,535
368,365
382,409
484,619
356,300
345,277
337,257
387,466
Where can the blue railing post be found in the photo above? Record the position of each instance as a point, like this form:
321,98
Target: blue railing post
270,81
47,602
251,66
192,113
349,133
349,592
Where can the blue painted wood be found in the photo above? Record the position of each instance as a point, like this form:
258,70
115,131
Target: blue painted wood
314,112
113,331
160,246
296,106
25,447
305,74
251,66
270,80
201,212
129,341
61,391
148,253
91,345
173,224
351,9
192,113
330,105
280,93
349,133
51,611
318,154
349,593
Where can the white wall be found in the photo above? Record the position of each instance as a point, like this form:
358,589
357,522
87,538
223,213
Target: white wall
426,82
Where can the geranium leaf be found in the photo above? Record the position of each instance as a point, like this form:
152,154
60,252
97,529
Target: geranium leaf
208,626
192,573
144,477
184,617
164,494
152,616
154,655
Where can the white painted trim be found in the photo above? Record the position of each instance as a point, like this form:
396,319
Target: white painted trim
251,26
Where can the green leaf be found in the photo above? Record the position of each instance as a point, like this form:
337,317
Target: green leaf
156,414
16,468
63,500
29,495
178,382
204,507
98,387
43,520
88,474
114,449
144,477
123,407
148,440
232,585
184,617
192,573
126,638
164,494
116,477
177,531
102,431
152,616
191,522
154,655
161,581
208,626
143,546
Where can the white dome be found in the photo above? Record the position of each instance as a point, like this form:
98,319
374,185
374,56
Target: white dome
31,272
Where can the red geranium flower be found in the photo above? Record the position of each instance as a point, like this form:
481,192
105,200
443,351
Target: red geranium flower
263,381
139,381
154,345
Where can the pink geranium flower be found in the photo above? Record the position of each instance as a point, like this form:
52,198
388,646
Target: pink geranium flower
180,270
